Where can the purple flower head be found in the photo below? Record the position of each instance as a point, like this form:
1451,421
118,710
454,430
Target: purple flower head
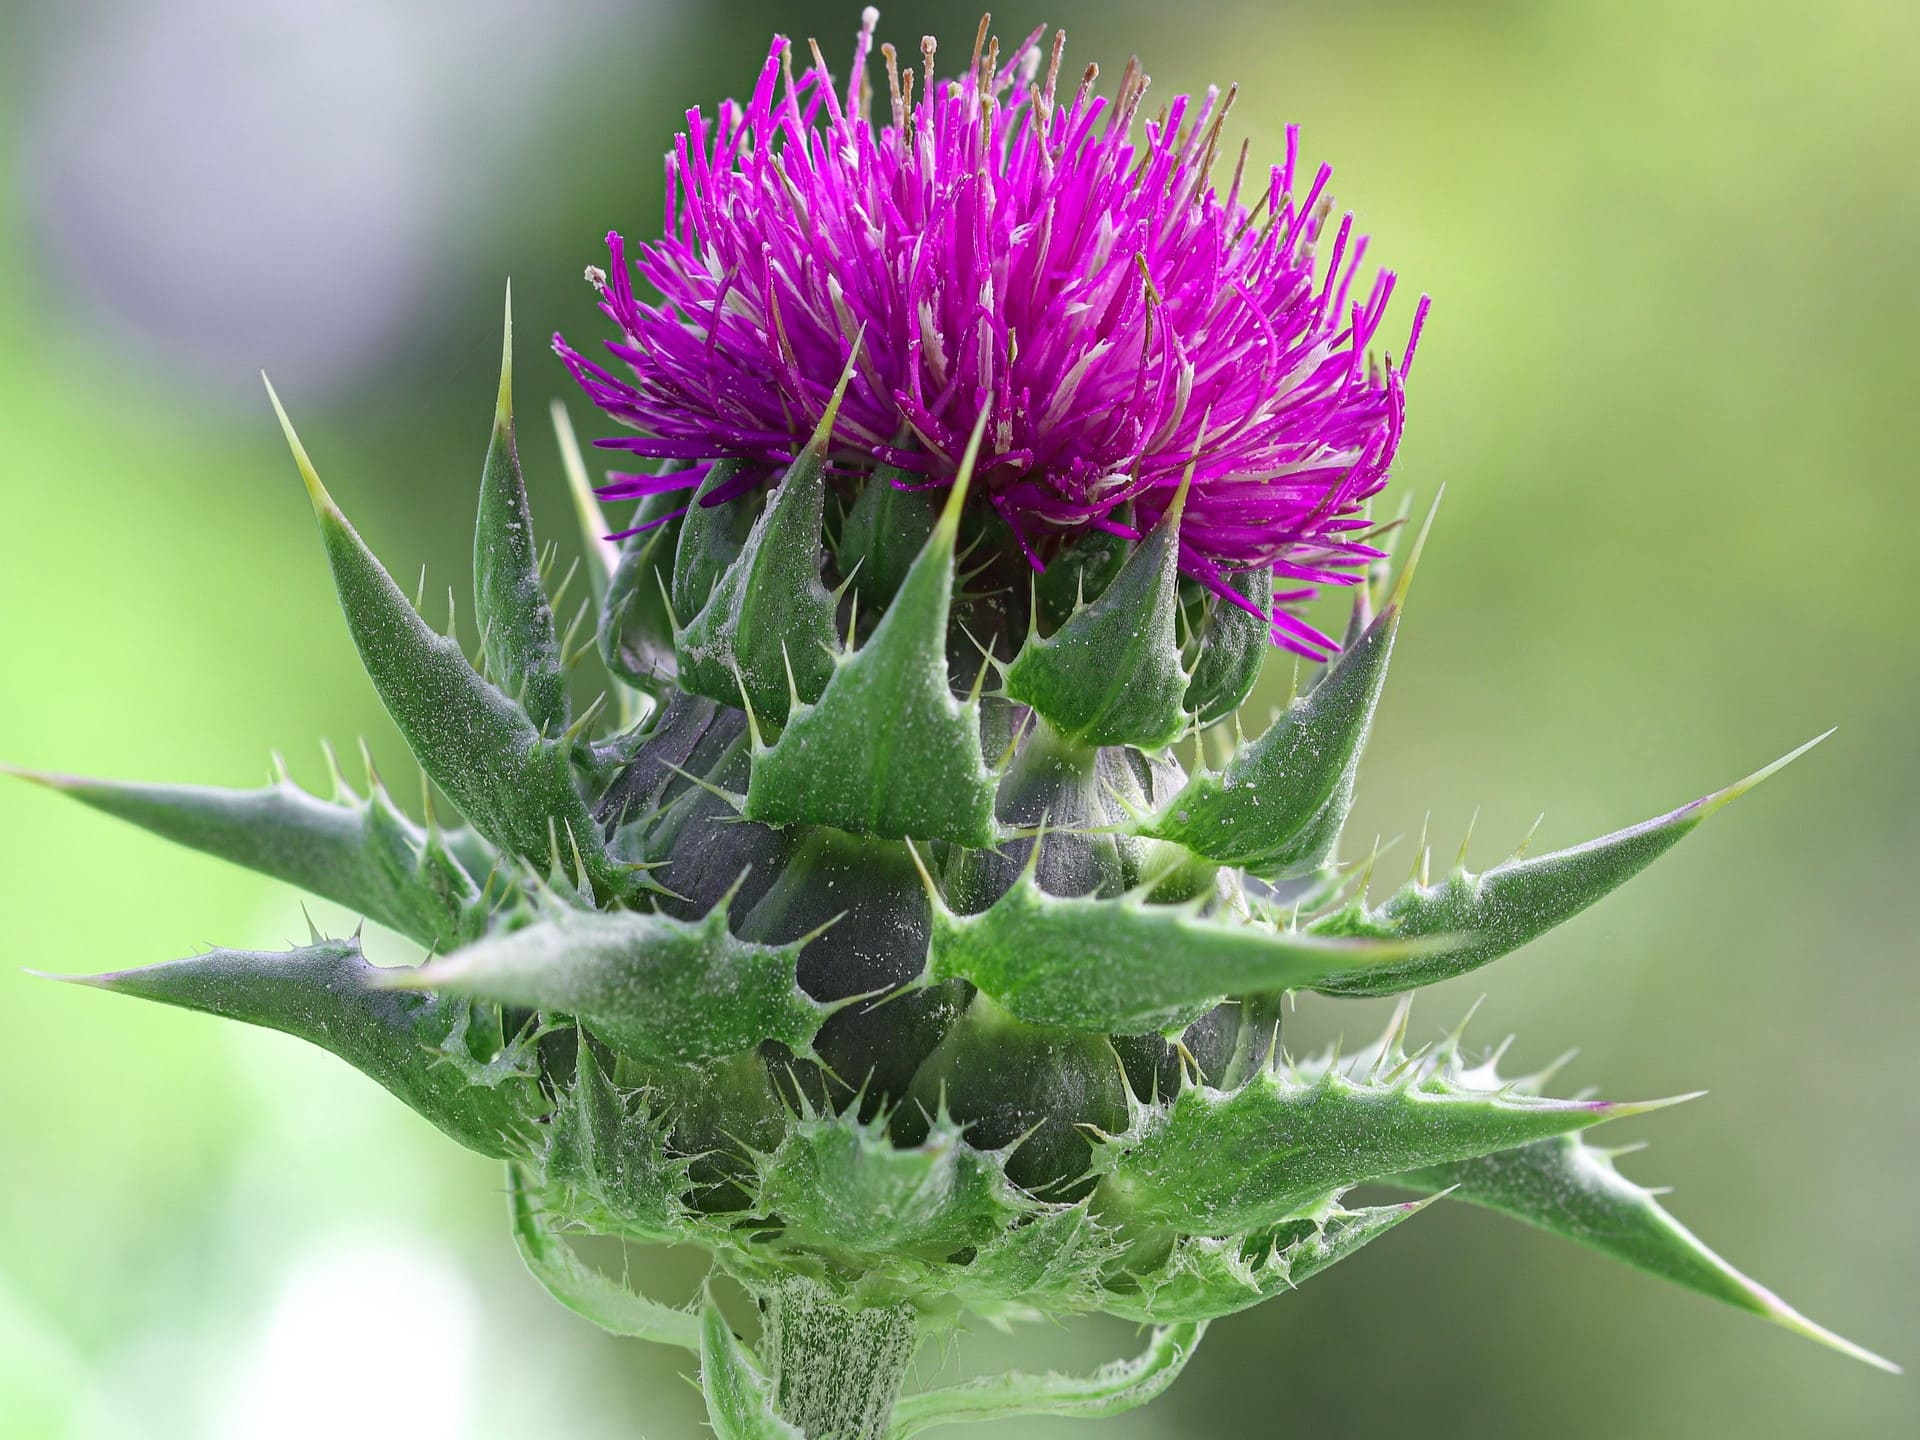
1001,245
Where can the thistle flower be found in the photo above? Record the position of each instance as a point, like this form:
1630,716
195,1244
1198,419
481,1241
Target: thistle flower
1047,261
871,931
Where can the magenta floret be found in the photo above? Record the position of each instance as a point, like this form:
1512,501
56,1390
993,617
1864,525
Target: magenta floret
1048,259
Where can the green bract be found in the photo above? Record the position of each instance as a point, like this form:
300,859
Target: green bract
874,939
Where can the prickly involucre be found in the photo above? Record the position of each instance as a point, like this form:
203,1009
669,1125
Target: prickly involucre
870,931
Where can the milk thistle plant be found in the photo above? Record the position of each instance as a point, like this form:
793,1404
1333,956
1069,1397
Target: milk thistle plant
883,929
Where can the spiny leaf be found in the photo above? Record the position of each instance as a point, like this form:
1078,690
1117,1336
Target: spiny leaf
1571,1189
1123,967
888,750
584,1290
606,1163
1112,675
363,854
1204,1278
840,1185
1054,1260
1114,1389
516,622
1233,648
649,985
1278,807
767,631
739,1397
479,746
1214,1162
445,1058
1511,904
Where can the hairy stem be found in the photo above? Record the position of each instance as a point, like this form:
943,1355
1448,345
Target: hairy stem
837,1369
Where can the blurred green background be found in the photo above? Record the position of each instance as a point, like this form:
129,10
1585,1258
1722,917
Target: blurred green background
1669,386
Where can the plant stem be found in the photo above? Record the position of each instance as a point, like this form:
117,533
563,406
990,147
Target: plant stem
837,1368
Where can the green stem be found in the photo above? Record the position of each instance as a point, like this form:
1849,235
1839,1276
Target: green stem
837,1368
1114,1389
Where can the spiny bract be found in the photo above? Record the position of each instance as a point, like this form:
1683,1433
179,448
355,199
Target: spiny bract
870,934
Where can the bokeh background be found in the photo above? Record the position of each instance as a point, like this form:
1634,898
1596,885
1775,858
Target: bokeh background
1669,386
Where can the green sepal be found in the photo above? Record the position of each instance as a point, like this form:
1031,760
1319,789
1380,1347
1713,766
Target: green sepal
843,1187
739,1398
650,986
1068,799
589,1294
1028,1088
447,1059
721,1113
514,785
1079,574
606,1164
1112,674
767,630
636,623
1500,910
1204,1277
360,853
1114,1389
1121,967
886,528
1233,647
888,750
1571,1189
710,538
516,622
1215,1162
1277,808
1054,1261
